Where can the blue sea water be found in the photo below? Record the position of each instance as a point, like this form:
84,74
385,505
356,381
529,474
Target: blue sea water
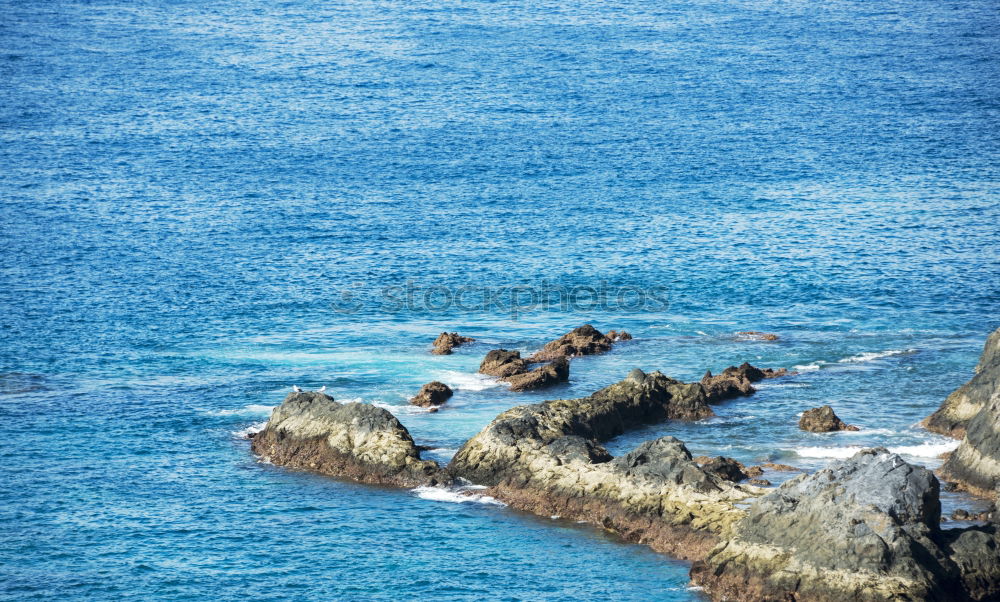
204,203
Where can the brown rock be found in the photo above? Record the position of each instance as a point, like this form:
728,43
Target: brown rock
432,394
760,482
823,420
753,335
555,372
779,467
585,340
502,363
736,381
970,399
447,341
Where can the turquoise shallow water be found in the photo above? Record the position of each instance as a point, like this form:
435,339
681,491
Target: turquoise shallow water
205,203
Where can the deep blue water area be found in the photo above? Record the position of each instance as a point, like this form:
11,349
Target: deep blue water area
202,204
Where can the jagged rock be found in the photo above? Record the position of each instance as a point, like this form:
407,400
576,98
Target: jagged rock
975,465
502,363
432,394
555,372
753,335
975,551
585,340
546,458
723,467
447,341
866,528
736,381
964,403
357,441
823,420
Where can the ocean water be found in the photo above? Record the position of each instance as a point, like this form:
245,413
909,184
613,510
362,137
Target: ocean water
202,204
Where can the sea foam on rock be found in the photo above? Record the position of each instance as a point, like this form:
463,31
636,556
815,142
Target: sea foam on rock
358,441
546,458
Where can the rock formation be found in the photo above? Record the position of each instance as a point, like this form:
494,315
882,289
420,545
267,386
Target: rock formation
357,441
546,458
725,468
585,340
975,465
736,381
510,367
968,400
447,341
823,420
866,528
432,395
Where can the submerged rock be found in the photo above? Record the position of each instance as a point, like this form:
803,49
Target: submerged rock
546,458
432,394
447,341
866,528
357,441
964,403
823,420
585,340
753,335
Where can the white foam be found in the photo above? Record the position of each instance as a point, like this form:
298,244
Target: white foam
924,450
807,367
250,430
400,409
874,355
465,381
457,495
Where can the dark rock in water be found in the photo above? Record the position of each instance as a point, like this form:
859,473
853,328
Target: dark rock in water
357,441
546,458
865,528
723,467
502,363
960,514
433,393
823,420
964,403
552,373
736,381
447,341
760,482
585,340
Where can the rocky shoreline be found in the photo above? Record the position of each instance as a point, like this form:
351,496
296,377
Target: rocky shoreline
863,529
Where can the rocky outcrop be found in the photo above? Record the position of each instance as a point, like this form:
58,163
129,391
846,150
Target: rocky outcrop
362,442
964,403
432,395
736,381
546,458
866,528
510,367
585,340
823,420
447,341
549,374
975,465
725,468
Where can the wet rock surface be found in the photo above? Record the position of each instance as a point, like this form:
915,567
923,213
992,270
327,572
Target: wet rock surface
584,340
964,403
736,381
447,341
823,420
547,459
432,394
357,441
509,366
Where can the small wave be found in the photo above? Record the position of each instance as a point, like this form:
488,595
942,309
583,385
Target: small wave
925,450
458,495
401,409
782,386
465,381
245,433
807,367
874,355
249,409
